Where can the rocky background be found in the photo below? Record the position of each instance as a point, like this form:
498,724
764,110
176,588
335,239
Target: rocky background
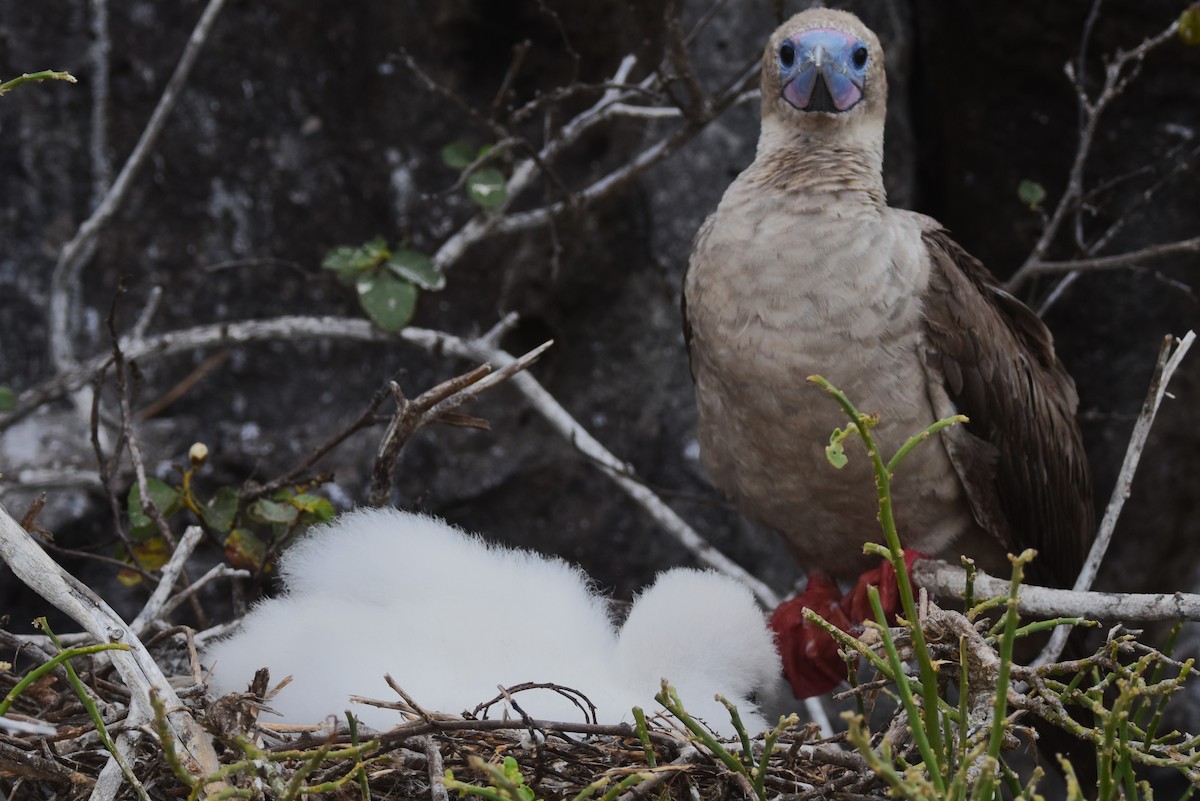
302,128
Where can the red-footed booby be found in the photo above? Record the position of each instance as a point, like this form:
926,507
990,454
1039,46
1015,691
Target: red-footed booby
805,269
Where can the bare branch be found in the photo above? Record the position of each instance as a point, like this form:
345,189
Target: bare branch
1168,361
1116,79
1047,602
558,417
137,667
1130,259
64,282
170,571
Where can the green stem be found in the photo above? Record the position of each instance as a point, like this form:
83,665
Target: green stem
97,719
1000,707
36,77
883,487
643,734
917,439
55,661
916,721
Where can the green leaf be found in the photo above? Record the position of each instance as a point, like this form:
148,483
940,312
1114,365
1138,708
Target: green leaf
344,261
1189,25
349,261
162,494
416,268
313,506
8,398
835,452
264,511
487,187
458,155
244,549
221,509
1031,193
387,300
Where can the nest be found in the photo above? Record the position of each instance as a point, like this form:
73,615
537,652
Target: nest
62,753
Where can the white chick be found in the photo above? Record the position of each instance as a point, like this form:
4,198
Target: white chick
704,632
450,617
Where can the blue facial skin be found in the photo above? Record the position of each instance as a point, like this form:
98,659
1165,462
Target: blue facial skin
823,70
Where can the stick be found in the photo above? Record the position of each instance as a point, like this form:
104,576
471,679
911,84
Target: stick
1163,370
65,281
137,667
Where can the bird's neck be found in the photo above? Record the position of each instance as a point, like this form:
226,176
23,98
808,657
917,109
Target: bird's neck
848,164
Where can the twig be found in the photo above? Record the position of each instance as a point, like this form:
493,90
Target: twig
433,754
1048,602
64,282
367,419
185,386
432,406
170,571
36,77
137,667
1116,79
1129,259
558,417
1168,361
101,50
301,328
189,592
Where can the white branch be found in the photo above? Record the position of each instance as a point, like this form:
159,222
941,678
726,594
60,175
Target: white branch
170,571
64,283
1047,602
300,328
137,667
1163,370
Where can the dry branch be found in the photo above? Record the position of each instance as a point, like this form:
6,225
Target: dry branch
433,406
64,283
137,668
951,580
1119,72
483,349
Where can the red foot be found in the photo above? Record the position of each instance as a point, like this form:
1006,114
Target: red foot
810,656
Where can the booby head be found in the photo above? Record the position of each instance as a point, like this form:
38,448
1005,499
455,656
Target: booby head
823,76
823,69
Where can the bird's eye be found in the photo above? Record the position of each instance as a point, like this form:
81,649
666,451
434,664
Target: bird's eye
859,56
787,54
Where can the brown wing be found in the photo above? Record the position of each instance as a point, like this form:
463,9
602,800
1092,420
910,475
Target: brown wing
1021,457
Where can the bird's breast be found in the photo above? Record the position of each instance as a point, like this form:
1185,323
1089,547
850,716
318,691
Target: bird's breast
775,295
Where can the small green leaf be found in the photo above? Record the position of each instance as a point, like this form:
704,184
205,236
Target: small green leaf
416,268
487,187
264,511
835,452
313,506
244,550
221,509
387,300
348,261
344,261
836,455
1031,193
164,496
1189,25
457,155
8,398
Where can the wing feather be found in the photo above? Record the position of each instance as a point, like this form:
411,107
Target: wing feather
1021,458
